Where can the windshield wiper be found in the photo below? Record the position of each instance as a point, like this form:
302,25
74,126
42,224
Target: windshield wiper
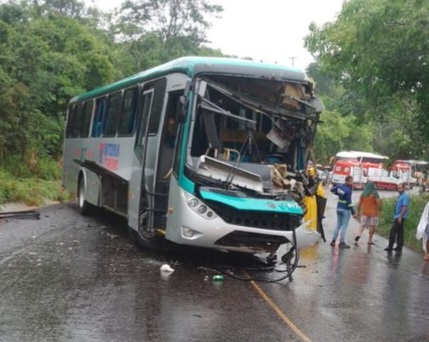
211,107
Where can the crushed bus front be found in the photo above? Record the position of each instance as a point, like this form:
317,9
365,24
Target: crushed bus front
239,180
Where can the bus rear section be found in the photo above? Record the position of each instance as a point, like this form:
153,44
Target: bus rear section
343,168
403,170
372,169
400,172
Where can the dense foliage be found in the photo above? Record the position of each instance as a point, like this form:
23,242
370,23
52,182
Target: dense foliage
52,50
377,52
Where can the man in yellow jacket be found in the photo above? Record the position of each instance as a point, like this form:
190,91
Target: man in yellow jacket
315,194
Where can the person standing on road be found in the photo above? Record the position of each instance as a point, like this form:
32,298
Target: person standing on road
368,210
423,231
315,187
400,214
344,207
423,181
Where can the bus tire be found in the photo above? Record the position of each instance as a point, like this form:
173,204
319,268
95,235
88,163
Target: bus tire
154,244
85,208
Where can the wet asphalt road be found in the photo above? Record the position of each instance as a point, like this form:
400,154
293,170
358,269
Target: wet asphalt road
69,278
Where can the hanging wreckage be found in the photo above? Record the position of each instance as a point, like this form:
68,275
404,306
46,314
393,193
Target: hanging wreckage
249,143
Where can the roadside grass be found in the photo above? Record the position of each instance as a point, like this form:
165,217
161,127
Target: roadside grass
36,187
417,204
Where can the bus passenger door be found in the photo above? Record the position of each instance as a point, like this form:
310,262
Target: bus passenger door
167,144
141,190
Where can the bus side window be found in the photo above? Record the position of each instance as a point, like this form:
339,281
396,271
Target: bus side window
87,116
156,110
146,105
151,104
70,118
77,121
97,125
174,108
172,127
128,118
113,113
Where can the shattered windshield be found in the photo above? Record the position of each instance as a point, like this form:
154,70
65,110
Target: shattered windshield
256,121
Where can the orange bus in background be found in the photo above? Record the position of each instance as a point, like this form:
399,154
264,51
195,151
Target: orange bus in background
349,167
403,170
358,164
400,172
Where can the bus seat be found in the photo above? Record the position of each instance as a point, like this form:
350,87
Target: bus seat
231,154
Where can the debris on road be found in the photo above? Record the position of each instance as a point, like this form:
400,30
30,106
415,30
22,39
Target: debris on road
166,268
23,214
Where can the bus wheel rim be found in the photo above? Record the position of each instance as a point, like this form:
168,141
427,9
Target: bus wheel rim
81,195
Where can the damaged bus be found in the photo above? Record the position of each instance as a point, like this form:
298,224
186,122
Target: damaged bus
208,152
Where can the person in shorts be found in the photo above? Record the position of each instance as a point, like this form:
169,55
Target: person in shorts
368,210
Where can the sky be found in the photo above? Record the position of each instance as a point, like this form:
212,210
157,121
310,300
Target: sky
271,31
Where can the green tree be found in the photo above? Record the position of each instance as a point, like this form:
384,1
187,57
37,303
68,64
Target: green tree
336,133
45,61
155,31
377,51
66,8
339,129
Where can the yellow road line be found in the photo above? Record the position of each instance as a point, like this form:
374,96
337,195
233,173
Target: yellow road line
280,313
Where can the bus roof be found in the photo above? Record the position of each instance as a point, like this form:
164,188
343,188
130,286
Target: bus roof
192,66
359,154
412,162
347,162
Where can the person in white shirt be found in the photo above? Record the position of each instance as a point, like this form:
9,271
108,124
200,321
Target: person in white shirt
423,231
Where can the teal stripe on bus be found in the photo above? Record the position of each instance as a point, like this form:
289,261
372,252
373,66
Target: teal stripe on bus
255,204
193,65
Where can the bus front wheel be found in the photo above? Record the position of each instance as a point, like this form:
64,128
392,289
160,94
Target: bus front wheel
85,208
145,243
148,239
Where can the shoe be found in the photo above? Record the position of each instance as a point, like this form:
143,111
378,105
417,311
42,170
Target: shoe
357,238
388,249
343,245
371,243
397,249
332,243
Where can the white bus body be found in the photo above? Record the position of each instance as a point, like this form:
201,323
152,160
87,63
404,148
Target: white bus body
187,151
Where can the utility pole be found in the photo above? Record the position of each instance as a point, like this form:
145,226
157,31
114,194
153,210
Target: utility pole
293,60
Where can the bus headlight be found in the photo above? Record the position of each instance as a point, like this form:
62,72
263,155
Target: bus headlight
202,209
193,202
197,206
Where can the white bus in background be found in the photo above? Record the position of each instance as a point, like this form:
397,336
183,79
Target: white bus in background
348,167
185,152
361,165
417,167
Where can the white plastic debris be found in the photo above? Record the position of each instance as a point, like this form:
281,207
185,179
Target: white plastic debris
166,268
